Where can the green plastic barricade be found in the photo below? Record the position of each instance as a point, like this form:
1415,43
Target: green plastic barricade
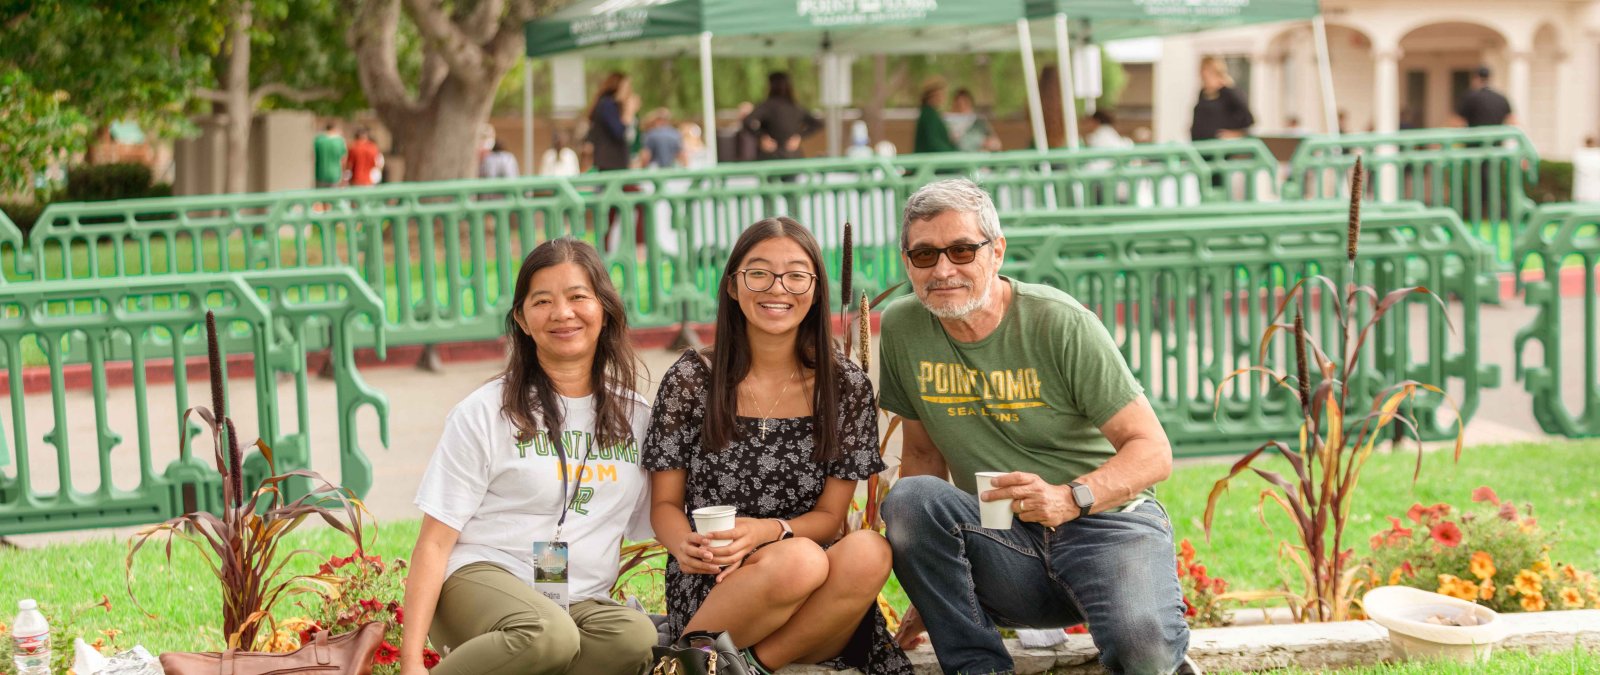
1562,245
1188,304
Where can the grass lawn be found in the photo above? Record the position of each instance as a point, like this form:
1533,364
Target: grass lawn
1562,479
1575,662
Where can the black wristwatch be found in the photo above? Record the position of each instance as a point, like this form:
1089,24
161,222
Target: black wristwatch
1083,497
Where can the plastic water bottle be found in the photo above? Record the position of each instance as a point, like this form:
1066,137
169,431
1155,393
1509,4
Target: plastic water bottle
32,636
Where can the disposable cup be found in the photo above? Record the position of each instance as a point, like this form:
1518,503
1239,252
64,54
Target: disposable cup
710,519
995,515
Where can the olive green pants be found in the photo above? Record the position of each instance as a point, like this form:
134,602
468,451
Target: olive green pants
495,624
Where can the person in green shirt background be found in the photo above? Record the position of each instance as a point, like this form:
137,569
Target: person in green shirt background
329,149
990,374
932,134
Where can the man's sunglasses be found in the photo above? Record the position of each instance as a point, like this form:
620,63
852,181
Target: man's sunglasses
959,254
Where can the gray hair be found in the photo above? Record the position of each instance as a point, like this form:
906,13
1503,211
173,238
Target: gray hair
954,194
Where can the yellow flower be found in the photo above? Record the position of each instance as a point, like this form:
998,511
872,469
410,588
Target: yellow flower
1571,598
1528,583
1482,565
1394,577
1486,590
1594,598
1542,568
1533,602
1454,587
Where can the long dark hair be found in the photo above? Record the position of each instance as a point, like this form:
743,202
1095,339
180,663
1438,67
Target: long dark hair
608,87
813,346
529,400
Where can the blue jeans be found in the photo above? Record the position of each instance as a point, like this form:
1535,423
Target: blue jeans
1117,571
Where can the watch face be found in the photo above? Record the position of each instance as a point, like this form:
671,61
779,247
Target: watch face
1082,495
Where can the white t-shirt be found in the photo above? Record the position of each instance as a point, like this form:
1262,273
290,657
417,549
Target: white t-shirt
503,496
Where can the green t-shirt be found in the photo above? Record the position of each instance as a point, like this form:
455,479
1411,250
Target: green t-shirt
1031,396
330,158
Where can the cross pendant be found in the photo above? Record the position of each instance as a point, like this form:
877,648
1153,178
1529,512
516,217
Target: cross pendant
763,427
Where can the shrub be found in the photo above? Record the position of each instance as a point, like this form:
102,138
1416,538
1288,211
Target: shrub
1495,555
1555,182
23,214
1201,592
103,182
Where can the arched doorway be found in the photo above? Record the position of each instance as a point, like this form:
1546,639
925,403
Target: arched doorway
1436,66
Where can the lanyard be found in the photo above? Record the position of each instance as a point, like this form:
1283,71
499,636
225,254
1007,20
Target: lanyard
561,454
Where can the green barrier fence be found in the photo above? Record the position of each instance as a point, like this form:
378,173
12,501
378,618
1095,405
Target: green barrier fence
444,254
1481,173
1188,303
1107,215
1565,369
148,322
1243,169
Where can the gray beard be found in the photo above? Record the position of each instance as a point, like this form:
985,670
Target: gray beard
961,311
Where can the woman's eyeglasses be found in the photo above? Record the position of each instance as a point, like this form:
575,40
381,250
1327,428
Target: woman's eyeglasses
959,254
760,281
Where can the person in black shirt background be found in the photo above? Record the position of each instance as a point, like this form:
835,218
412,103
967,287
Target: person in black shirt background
1221,112
1482,106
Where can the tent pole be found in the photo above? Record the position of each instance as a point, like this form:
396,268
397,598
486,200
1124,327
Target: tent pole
529,162
707,98
1069,99
1330,107
1035,106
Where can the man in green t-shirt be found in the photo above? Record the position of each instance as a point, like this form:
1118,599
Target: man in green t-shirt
329,152
991,374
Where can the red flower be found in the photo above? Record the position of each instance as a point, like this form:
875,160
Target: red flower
387,654
1188,609
1485,494
1446,533
1079,629
430,658
399,615
1508,511
1219,586
307,633
1416,512
1407,569
1396,534
1186,551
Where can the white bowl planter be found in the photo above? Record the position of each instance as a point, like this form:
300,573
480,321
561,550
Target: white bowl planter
1405,611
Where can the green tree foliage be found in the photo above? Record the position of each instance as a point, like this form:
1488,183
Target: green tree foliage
299,45
35,128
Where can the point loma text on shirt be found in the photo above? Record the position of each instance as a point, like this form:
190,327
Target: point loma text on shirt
574,441
956,383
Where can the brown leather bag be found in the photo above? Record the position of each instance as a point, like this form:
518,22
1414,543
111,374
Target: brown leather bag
347,654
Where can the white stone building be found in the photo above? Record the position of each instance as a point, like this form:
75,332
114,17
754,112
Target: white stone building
1396,63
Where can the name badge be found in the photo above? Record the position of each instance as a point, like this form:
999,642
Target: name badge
550,571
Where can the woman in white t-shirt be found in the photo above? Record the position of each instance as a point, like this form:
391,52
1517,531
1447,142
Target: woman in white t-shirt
499,487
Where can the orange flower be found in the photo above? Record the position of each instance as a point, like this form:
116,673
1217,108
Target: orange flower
1446,534
1528,583
1571,598
1454,587
1569,573
1533,602
1529,525
1543,568
1594,598
1394,577
1482,565
1485,494
1486,590
1186,552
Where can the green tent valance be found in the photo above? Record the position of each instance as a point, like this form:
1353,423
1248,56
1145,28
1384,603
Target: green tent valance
1121,19
776,27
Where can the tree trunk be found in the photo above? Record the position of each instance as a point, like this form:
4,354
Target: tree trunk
439,139
237,93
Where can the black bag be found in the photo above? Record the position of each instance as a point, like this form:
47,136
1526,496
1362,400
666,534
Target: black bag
699,653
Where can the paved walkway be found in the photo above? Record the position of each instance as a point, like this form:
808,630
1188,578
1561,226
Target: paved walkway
419,401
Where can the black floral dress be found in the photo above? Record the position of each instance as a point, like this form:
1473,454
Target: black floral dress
773,477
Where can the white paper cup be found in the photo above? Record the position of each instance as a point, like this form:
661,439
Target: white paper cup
995,515
715,519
